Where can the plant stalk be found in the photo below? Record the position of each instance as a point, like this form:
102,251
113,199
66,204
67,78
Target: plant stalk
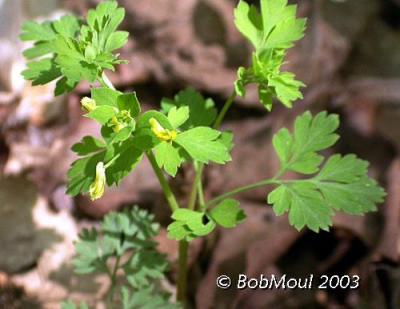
238,190
224,110
182,272
113,278
197,187
197,191
169,195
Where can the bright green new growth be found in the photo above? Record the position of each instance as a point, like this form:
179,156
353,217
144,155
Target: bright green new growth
185,132
70,51
272,32
341,183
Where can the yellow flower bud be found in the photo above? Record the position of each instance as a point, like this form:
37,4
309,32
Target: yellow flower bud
96,189
162,133
116,125
88,104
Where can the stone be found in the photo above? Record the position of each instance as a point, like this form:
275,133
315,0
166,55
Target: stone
21,241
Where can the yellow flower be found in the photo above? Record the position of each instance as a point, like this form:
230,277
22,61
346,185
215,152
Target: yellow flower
88,104
116,125
161,133
96,190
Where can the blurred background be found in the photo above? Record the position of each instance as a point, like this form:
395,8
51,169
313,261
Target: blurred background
350,61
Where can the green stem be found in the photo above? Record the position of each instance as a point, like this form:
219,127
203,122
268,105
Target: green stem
224,110
197,190
238,190
183,271
169,195
172,202
200,191
113,277
197,187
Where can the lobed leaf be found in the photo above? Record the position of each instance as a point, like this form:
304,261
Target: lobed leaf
203,145
227,213
202,112
342,184
298,152
271,32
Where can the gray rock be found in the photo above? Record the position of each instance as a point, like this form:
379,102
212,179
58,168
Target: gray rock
21,242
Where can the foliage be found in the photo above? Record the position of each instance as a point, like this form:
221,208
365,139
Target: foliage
185,132
341,183
189,224
70,50
146,299
128,236
272,32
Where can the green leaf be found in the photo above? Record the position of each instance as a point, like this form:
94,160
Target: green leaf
90,53
41,72
92,253
33,31
116,40
39,49
126,157
227,214
120,159
196,223
167,157
102,114
203,145
178,116
271,32
125,131
88,145
287,89
342,184
105,96
144,119
201,112
82,173
275,27
298,152
305,205
248,22
130,229
78,52
129,102
178,230
226,139
145,267
64,85
146,298
68,26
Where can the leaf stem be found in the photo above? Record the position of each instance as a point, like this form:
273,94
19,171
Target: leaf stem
195,192
200,191
169,195
113,277
224,110
197,187
182,271
238,190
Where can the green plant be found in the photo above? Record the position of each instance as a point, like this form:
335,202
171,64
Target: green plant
186,131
